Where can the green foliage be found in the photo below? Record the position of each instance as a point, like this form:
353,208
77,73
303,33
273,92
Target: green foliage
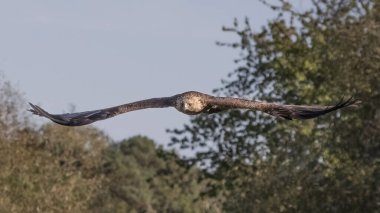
36,176
327,164
47,169
141,178
12,116
63,169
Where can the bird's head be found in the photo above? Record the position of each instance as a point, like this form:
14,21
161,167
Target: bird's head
190,103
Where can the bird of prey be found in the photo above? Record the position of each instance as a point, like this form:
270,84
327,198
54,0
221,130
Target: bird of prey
193,103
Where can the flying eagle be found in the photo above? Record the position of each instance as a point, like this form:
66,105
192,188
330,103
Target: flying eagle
193,103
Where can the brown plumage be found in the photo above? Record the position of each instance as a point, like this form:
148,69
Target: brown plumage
193,103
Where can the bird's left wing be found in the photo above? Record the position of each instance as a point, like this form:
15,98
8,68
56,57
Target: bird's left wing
280,110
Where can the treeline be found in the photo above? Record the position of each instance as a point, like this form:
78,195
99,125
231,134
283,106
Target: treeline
61,169
329,164
246,161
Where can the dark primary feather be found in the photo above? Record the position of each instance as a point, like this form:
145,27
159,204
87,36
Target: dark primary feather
305,112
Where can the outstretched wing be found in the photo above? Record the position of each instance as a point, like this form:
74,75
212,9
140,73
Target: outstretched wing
84,118
281,110
75,119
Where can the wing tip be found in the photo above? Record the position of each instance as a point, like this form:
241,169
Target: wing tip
350,102
34,109
38,111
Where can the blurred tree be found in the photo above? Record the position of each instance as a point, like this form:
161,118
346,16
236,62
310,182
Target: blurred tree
12,105
330,164
51,170
141,178
47,169
61,169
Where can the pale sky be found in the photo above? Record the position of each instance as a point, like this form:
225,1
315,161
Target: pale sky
95,54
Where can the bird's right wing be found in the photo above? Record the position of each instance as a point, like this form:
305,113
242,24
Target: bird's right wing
84,118
75,119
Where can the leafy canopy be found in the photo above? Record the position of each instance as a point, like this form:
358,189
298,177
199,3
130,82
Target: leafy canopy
315,56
